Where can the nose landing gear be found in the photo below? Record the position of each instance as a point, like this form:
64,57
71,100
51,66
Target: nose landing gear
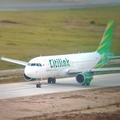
38,85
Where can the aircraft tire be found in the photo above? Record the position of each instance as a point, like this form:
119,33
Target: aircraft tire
53,80
38,85
88,84
83,84
49,80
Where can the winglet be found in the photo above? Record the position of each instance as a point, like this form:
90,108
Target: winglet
1,57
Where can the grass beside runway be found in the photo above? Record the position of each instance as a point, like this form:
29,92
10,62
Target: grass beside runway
11,78
26,34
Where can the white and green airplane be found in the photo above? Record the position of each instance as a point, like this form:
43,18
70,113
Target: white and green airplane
81,65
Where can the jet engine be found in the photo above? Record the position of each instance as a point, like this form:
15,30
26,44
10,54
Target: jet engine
84,78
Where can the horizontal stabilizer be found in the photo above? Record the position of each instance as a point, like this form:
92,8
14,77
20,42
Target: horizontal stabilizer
113,57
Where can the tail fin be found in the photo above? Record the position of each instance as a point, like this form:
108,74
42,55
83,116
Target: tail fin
104,45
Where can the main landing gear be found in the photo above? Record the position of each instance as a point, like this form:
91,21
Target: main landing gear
51,80
88,84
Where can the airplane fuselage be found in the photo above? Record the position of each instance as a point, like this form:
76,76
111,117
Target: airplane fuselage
58,65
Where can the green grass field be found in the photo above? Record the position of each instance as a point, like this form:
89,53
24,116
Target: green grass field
27,34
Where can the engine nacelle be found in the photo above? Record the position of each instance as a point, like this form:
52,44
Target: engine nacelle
84,78
28,78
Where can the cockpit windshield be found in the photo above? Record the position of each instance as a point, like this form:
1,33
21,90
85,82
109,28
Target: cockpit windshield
35,64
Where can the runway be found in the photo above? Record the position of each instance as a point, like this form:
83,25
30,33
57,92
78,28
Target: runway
66,84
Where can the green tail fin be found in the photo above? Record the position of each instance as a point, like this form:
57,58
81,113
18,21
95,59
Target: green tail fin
104,45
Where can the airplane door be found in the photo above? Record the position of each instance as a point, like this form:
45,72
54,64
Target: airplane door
48,70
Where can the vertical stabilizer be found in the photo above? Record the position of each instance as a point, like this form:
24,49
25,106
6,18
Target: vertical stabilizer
104,45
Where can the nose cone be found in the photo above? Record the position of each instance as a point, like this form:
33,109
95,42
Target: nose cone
28,71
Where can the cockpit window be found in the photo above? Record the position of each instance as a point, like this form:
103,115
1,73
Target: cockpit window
35,64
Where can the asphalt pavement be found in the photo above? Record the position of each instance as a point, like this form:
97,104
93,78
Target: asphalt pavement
13,90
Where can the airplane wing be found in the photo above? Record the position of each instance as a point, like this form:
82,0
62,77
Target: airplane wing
75,71
14,61
105,69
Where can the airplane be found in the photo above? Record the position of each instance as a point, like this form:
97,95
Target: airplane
79,65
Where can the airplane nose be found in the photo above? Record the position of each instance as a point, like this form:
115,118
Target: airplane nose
28,72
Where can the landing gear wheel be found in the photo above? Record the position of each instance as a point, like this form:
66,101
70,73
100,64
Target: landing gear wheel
52,80
49,80
83,84
38,85
88,84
